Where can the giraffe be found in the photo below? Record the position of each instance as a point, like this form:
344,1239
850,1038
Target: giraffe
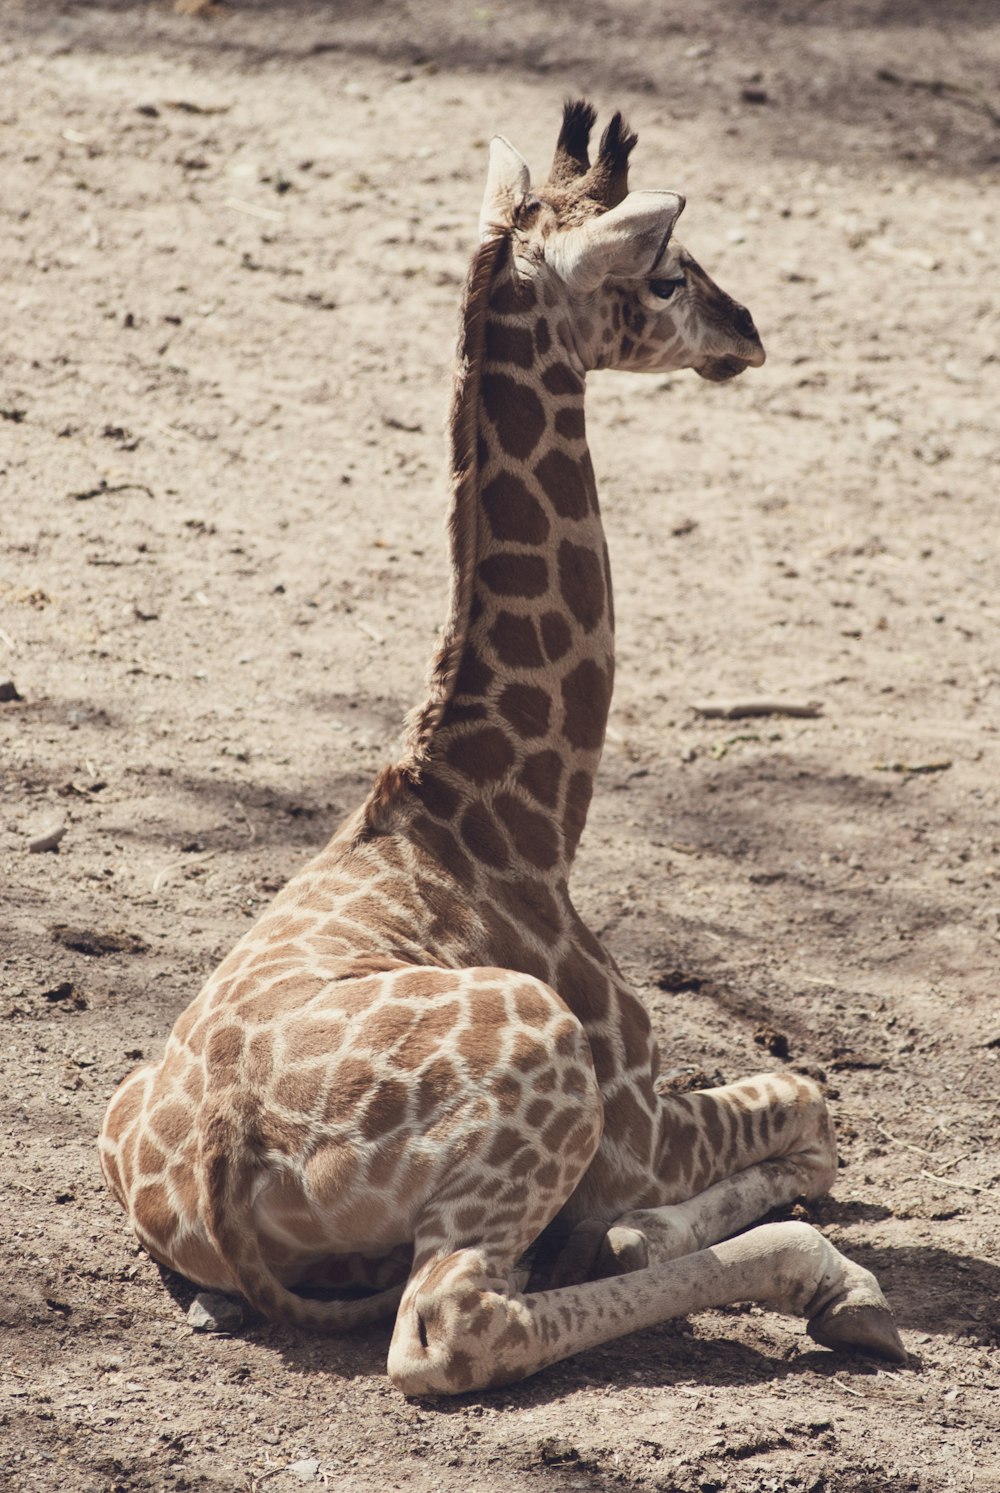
420,1063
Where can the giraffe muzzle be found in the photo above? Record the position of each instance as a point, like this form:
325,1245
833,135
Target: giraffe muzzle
720,370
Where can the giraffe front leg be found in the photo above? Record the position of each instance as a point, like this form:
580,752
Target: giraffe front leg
461,1326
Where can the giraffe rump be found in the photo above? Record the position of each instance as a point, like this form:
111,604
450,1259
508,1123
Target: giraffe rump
232,1166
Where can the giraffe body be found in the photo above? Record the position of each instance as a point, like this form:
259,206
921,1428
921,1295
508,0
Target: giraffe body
420,1057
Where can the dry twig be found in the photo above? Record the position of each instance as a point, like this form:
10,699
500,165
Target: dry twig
950,1182
735,710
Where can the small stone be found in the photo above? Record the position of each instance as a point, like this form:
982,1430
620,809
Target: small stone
9,691
555,1449
775,1042
47,841
306,1469
210,1312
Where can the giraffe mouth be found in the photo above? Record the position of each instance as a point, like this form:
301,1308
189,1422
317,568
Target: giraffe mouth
719,370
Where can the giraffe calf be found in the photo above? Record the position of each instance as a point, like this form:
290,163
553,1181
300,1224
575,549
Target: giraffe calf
420,1058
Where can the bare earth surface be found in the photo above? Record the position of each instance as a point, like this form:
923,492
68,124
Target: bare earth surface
231,253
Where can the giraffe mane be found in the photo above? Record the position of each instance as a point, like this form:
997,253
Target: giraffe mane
463,528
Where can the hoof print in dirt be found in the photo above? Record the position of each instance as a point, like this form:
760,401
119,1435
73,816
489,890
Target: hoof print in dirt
96,943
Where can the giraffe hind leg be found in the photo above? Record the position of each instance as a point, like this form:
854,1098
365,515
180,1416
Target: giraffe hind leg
713,1134
729,1155
654,1235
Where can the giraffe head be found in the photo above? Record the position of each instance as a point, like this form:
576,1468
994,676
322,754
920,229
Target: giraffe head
625,294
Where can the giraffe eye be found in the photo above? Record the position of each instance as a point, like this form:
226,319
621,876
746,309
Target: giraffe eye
664,289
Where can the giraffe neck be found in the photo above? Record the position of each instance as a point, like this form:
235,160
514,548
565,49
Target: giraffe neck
510,739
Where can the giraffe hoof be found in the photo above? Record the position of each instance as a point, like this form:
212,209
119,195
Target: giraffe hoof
859,1326
624,1250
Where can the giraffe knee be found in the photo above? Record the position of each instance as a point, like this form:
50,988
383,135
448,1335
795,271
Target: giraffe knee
451,1342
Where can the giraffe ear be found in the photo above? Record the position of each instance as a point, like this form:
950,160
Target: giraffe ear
627,242
508,182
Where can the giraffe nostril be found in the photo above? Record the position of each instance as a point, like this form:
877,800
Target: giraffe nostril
743,322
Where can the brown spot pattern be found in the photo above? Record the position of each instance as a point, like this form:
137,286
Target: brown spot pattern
586,693
579,792
172,1124
509,344
564,483
151,1158
541,775
154,1213
510,574
516,641
300,1088
474,677
570,423
556,635
483,838
526,707
582,583
350,1085
506,1145
442,844
526,1052
387,1110
533,834
512,295
516,412
514,514
483,756
225,1048
438,797
582,987
559,379
537,1113
631,1121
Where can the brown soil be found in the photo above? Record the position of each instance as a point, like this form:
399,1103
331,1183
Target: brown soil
233,242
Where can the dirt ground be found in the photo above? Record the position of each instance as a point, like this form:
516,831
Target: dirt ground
231,252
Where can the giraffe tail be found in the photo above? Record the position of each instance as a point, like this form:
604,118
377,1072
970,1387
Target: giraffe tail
231,1164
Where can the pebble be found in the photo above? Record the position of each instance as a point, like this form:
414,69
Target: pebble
9,691
210,1312
48,841
306,1469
